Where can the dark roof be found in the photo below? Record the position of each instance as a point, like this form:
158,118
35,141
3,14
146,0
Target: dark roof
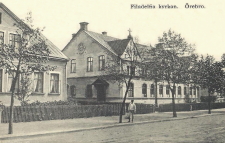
55,51
119,46
115,45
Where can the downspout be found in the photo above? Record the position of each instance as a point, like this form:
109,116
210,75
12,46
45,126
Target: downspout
65,69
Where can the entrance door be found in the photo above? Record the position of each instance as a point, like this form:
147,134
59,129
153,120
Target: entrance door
101,92
101,86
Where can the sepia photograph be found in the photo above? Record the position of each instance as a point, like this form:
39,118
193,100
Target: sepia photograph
103,71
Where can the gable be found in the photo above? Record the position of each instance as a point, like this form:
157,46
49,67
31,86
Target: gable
119,46
7,25
7,17
92,42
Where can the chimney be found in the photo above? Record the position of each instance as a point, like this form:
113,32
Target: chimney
83,26
104,33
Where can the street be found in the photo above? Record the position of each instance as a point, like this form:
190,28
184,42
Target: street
202,129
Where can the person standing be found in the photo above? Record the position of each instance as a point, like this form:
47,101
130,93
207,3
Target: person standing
132,110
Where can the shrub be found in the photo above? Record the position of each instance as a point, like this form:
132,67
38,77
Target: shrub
60,102
206,98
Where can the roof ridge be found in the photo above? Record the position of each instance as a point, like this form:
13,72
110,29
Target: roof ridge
104,35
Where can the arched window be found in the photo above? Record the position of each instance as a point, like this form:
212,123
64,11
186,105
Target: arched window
152,90
144,90
198,91
73,90
175,88
190,91
185,90
131,90
179,90
194,90
167,90
161,90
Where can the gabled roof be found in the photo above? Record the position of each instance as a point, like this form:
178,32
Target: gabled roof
119,46
114,45
55,51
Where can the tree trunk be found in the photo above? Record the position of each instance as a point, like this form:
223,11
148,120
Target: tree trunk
156,96
10,131
209,103
123,105
173,103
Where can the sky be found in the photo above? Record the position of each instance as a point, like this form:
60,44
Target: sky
204,27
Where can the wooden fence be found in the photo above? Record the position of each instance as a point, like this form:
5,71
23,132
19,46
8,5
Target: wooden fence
60,112
188,106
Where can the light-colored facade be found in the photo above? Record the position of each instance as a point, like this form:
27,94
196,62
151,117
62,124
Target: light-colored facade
87,50
43,83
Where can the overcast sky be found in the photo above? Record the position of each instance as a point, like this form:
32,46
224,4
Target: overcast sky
203,27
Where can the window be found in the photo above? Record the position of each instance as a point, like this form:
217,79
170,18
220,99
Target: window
0,80
190,91
89,91
152,90
175,88
101,62
128,70
168,90
14,41
198,91
185,90
161,90
73,66
131,90
144,72
179,90
144,90
131,70
73,90
89,64
54,83
38,82
1,38
10,80
194,90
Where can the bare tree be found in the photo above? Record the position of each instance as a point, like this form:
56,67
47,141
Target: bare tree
30,53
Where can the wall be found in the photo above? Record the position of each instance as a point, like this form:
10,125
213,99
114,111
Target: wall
5,95
91,49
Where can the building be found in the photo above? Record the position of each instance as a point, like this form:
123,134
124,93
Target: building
46,86
89,51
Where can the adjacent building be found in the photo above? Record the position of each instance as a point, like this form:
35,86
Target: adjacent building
47,86
88,52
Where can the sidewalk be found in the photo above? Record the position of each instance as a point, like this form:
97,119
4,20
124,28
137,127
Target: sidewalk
38,128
